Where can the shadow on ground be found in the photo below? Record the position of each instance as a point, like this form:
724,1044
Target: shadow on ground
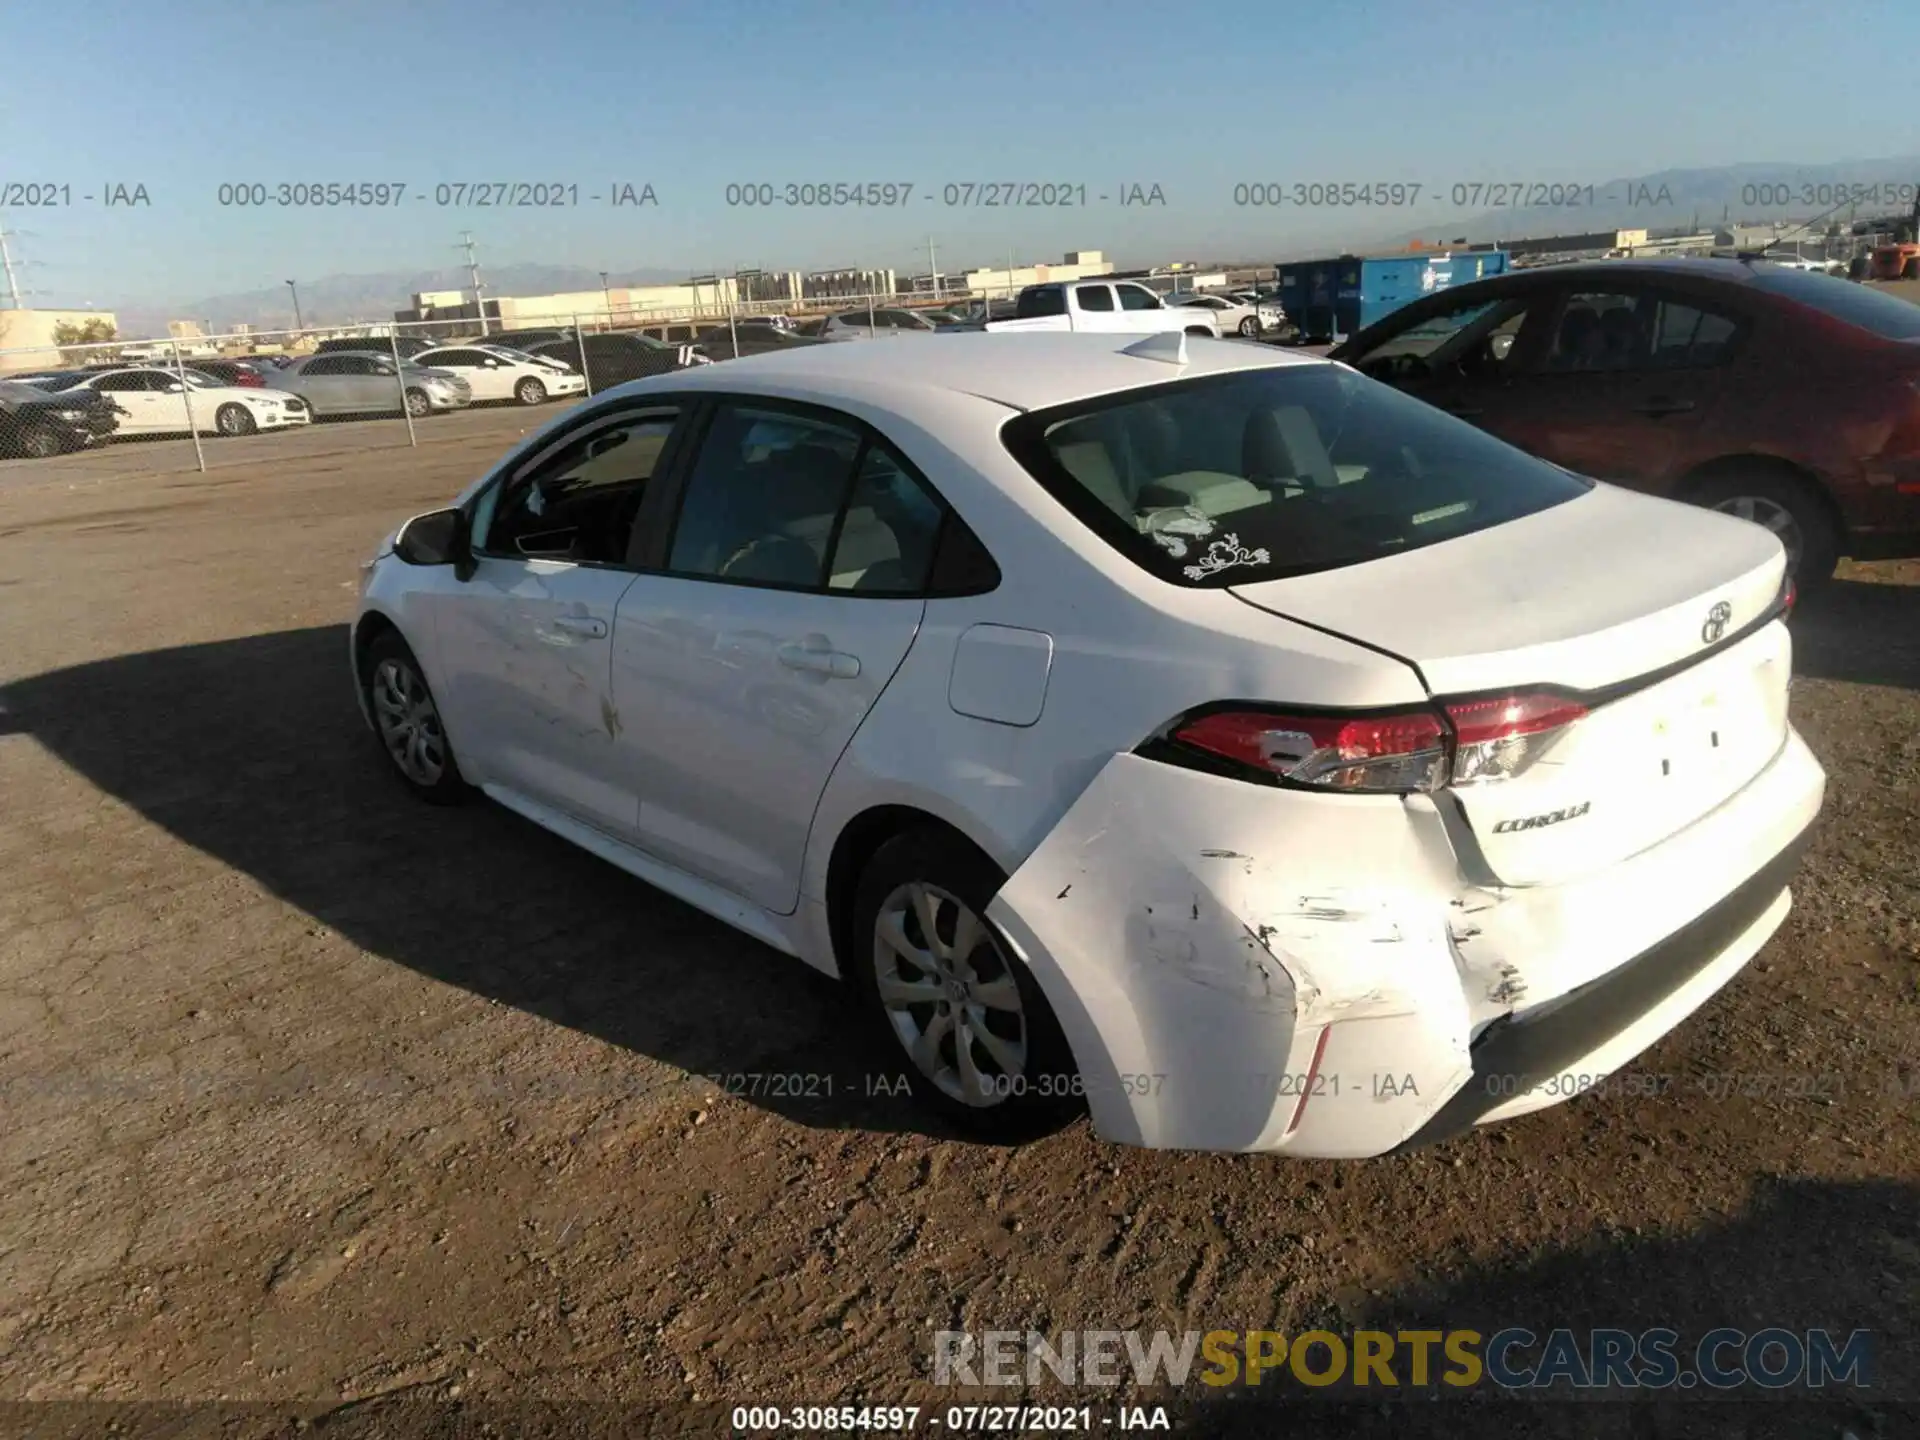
1803,1255
1860,631
254,752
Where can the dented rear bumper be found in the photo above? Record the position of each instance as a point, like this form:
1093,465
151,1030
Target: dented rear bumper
1249,969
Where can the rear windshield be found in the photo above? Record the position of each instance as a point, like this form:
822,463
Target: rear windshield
62,382
1844,300
1263,474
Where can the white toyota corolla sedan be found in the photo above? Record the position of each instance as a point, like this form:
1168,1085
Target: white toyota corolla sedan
1199,732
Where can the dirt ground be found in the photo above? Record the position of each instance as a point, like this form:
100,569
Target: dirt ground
321,1103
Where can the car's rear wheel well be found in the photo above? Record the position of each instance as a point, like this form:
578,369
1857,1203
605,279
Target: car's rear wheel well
1701,477
857,844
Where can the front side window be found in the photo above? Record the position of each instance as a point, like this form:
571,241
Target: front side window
1263,474
579,504
1138,297
1094,297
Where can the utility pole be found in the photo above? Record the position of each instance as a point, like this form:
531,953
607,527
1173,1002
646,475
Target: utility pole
473,273
6,264
298,324
933,268
607,296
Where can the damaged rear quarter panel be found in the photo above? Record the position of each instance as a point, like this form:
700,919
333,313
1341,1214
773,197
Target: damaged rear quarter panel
1206,930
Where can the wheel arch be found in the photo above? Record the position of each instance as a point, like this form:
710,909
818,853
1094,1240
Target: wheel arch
1704,474
857,843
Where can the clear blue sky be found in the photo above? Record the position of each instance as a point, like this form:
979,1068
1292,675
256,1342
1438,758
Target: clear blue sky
181,95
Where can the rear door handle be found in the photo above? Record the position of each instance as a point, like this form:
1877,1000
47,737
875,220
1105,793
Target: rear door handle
1663,406
591,626
835,663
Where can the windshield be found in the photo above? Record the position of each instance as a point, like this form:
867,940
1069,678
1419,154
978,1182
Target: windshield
1262,474
1857,305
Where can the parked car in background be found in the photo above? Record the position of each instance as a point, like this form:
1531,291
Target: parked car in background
1236,316
1784,397
37,424
527,340
358,382
232,372
724,343
882,323
154,401
614,359
1102,307
1100,716
408,346
498,373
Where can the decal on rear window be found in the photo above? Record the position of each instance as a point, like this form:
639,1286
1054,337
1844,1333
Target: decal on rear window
1172,529
1224,554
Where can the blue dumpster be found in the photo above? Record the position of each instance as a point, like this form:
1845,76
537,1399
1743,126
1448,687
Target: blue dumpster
1328,299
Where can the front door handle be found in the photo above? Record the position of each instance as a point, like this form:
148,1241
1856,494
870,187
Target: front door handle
591,626
834,663
1664,406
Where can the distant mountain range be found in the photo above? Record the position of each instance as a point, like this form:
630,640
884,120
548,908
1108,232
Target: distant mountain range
1753,193
340,299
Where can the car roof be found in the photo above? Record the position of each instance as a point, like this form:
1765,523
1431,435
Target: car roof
1023,371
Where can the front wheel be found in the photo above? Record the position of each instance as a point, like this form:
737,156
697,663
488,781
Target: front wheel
407,720
417,404
530,392
1789,508
1250,327
235,420
949,997
41,442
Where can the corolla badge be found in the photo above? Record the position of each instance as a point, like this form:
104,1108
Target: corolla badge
1717,620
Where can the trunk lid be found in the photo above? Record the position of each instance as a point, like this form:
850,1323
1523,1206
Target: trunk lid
1633,606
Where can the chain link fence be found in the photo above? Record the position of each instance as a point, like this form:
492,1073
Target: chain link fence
194,402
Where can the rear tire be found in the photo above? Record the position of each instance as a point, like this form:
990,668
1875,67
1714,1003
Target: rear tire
406,722
234,419
990,1056
1203,332
1788,506
530,392
1911,270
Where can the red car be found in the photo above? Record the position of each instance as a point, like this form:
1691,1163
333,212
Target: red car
1785,397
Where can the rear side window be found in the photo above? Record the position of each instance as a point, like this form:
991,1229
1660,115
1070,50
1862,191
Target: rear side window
1843,300
1263,474
1040,301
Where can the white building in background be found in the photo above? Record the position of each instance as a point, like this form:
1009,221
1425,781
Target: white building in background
27,340
1076,265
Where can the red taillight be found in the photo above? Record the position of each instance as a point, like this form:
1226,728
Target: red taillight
1788,594
1398,750
1497,737
1506,717
1395,751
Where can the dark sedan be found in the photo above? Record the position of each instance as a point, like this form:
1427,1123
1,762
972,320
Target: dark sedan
724,342
1788,398
40,424
609,360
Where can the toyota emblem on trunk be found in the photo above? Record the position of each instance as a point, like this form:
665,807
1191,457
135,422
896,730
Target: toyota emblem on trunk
1716,625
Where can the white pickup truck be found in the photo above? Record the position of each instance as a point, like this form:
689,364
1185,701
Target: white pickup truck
1113,307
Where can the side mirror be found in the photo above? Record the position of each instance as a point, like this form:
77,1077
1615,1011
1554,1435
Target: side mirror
436,538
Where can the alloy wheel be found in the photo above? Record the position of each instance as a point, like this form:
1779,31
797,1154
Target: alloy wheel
409,722
950,995
1773,516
